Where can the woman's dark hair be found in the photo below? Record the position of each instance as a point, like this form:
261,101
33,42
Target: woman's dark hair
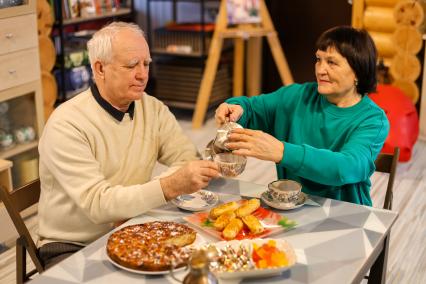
359,50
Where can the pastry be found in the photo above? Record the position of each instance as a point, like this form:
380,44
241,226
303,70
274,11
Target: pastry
248,208
219,210
151,246
223,220
232,229
253,224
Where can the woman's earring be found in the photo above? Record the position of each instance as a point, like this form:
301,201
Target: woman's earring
356,83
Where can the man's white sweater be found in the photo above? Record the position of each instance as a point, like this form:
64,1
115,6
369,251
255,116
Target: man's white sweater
96,170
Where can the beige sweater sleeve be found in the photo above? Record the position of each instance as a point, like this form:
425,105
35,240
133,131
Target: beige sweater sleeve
70,161
175,147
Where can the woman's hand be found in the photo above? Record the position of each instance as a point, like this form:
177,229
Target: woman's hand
226,112
255,143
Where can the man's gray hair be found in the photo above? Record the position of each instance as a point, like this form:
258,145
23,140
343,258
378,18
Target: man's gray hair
100,45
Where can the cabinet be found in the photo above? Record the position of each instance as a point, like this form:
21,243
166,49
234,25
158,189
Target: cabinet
21,102
80,25
179,50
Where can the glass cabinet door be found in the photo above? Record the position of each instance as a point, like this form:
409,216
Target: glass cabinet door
11,8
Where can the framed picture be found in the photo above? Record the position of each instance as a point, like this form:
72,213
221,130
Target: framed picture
242,11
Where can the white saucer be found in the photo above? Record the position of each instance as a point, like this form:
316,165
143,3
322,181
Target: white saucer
197,201
267,198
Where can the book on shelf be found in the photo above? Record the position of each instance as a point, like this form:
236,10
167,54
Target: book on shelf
105,6
66,14
72,9
87,8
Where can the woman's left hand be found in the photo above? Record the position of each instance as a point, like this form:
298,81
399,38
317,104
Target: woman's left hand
255,143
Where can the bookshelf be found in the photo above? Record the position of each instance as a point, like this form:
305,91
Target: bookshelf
71,18
179,48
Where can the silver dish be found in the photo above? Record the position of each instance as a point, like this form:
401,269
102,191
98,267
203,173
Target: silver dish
197,201
270,201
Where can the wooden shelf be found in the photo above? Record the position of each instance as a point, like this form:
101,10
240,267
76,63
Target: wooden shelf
120,12
17,149
4,165
159,51
27,7
19,91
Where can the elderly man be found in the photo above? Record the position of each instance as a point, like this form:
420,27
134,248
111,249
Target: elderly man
98,150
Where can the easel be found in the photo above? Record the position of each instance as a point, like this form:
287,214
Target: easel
238,33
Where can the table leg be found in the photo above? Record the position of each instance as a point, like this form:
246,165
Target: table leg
378,270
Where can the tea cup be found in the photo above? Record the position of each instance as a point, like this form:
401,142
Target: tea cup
230,165
285,190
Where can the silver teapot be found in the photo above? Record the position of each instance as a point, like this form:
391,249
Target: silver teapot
217,145
199,270
223,134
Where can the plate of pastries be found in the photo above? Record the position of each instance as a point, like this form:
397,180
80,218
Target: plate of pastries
152,247
237,220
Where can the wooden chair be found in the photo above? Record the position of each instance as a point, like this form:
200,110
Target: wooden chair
385,163
15,202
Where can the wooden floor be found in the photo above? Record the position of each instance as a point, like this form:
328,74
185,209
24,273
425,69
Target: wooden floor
407,258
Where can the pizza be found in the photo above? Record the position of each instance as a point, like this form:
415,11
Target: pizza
152,246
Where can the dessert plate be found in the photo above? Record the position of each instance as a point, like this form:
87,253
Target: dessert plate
271,221
267,198
197,201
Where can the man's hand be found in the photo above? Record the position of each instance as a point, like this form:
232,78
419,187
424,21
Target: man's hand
226,112
255,143
190,178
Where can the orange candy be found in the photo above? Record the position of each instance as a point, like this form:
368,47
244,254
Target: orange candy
268,255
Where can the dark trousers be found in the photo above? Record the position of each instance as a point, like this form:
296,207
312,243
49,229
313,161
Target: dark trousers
52,253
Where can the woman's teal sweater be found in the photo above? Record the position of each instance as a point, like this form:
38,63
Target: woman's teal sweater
330,150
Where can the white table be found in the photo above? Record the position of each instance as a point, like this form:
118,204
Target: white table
336,242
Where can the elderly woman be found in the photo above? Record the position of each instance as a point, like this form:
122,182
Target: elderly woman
324,134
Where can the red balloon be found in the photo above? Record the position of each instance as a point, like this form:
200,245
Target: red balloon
403,120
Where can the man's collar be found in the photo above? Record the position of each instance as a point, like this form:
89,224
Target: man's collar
118,115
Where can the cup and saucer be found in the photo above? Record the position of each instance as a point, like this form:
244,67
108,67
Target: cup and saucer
284,194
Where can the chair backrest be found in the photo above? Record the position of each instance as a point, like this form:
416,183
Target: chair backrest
17,201
387,163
